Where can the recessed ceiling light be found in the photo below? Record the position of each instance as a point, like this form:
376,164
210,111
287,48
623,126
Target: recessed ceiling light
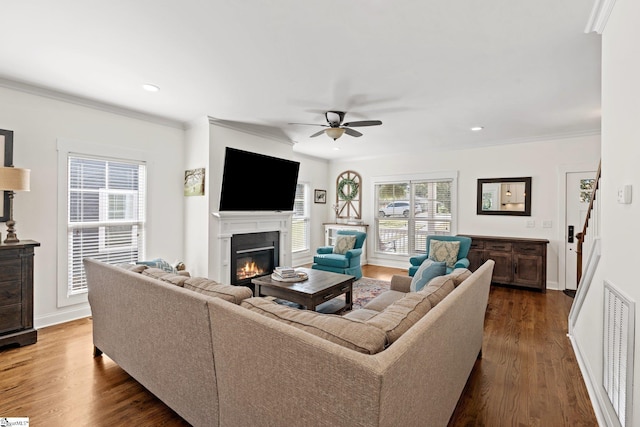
150,88
336,148
477,128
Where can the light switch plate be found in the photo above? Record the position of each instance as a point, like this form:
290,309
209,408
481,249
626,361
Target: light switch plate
624,194
547,224
531,223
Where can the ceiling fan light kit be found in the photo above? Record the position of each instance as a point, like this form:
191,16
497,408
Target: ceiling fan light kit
334,133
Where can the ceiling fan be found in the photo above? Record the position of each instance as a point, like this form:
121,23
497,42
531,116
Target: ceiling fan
335,128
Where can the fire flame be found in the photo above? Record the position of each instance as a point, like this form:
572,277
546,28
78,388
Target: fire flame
250,269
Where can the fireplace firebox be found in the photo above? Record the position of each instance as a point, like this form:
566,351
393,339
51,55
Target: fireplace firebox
253,255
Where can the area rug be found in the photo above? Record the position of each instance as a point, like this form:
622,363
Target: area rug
366,289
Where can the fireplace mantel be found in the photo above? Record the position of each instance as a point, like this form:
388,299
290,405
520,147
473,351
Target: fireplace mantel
226,224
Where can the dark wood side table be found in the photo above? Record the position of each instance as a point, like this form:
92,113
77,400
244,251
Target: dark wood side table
520,262
16,293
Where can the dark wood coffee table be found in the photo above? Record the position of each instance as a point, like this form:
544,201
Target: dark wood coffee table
317,293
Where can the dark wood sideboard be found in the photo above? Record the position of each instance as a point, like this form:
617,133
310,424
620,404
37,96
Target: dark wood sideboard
519,261
16,293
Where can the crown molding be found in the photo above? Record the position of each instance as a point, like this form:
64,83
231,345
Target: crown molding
264,131
599,16
90,103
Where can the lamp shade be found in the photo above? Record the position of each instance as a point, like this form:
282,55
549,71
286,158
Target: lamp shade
334,133
15,179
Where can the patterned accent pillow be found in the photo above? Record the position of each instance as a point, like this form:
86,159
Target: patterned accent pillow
441,250
344,243
158,263
427,271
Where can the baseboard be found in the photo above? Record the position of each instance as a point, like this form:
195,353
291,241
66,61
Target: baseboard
593,389
56,318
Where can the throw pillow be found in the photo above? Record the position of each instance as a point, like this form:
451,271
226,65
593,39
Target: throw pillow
441,250
427,271
158,263
344,243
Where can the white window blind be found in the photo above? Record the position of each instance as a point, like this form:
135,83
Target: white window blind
106,214
300,220
412,209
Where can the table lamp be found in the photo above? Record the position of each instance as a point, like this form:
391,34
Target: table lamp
11,180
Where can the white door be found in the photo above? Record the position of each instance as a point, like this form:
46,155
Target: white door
577,203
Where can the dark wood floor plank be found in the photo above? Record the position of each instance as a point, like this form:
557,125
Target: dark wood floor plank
527,376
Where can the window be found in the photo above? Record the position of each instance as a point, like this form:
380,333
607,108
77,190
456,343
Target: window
105,214
300,221
411,209
101,211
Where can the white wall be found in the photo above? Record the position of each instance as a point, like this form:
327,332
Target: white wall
196,208
314,172
620,228
540,160
37,122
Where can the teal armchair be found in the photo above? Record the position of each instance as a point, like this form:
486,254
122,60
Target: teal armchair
463,262
348,263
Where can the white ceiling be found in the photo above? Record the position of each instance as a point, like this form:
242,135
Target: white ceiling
429,70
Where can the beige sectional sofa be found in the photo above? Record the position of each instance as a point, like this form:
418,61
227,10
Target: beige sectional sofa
220,357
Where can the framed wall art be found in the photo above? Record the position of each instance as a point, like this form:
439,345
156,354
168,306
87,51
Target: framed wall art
194,182
320,196
6,159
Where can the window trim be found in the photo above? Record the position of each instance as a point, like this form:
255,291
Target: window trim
391,179
306,218
66,147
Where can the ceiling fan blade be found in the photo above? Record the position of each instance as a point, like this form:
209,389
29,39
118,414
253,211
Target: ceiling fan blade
308,124
320,132
352,132
363,123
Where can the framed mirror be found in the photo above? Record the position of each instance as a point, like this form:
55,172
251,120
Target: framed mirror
504,196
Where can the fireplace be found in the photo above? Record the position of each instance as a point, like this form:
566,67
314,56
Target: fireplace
229,225
253,255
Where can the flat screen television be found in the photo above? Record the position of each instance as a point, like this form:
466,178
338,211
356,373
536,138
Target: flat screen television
256,182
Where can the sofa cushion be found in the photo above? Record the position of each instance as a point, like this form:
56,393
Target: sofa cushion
396,319
344,243
361,314
156,273
437,289
459,275
346,332
447,251
136,268
384,300
231,293
427,271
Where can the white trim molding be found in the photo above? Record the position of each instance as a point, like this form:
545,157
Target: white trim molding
264,131
226,224
599,16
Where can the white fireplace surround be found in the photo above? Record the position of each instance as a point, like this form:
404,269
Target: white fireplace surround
226,224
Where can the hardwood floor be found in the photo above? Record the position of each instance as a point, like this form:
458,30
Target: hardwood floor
528,375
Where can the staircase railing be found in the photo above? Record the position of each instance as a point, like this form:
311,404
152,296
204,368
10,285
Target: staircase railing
591,228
